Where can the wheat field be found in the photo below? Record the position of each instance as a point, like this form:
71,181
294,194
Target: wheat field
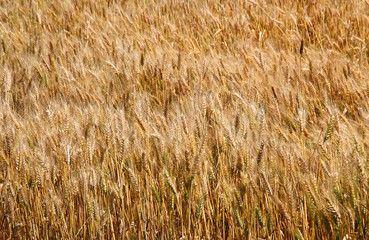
184,119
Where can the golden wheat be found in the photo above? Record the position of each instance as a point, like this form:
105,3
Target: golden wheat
184,119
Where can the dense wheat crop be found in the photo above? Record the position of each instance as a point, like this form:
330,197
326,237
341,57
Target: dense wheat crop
184,119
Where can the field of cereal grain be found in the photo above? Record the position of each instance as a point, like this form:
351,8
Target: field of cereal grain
184,119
